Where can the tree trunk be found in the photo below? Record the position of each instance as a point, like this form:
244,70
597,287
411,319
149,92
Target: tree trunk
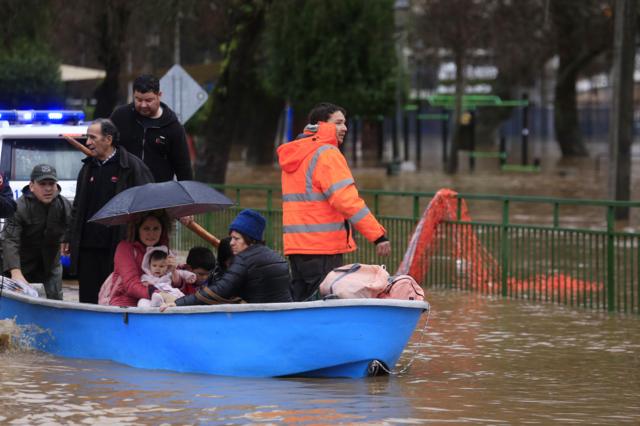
106,93
489,120
228,118
621,127
371,138
566,110
452,158
113,22
260,136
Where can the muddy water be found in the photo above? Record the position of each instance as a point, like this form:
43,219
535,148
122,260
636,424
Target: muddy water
479,361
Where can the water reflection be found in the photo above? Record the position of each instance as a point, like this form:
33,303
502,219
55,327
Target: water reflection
482,361
492,360
76,390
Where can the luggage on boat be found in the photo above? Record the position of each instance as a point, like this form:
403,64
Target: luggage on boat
403,287
355,281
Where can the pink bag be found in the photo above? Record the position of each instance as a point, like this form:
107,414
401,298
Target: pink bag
402,287
355,281
108,288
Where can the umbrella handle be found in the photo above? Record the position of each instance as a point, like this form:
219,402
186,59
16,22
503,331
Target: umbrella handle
204,234
77,145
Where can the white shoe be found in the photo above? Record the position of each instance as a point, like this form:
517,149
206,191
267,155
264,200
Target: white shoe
156,300
144,303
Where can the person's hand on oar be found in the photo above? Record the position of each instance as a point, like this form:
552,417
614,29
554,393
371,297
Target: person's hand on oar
186,220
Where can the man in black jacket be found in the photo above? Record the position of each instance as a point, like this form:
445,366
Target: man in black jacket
151,131
110,170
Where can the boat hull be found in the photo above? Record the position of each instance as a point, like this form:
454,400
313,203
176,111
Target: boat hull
335,338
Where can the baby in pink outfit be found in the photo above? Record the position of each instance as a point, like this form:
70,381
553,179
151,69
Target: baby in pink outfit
157,272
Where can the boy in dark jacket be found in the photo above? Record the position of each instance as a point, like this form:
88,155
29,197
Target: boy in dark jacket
201,262
151,131
31,238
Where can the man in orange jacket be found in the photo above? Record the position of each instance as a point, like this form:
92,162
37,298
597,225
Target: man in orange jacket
320,202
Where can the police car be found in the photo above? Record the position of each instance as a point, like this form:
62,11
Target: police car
29,137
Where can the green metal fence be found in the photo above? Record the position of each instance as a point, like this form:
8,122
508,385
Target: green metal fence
564,251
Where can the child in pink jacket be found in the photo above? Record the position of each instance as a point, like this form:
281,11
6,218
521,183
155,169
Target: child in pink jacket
166,280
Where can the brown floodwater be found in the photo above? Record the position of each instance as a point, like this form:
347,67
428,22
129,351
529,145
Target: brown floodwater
479,360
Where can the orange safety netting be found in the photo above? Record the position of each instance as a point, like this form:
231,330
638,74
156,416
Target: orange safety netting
475,266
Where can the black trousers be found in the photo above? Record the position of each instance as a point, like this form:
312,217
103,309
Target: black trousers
308,271
94,266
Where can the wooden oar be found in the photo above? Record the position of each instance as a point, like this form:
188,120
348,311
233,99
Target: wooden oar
203,233
79,146
197,229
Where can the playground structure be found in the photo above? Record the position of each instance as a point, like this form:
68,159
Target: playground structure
469,105
417,121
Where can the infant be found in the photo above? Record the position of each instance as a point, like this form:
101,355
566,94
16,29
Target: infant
165,279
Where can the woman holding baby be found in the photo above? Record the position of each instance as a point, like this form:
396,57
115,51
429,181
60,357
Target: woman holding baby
148,231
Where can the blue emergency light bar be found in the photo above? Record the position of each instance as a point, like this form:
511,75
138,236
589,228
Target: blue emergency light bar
42,116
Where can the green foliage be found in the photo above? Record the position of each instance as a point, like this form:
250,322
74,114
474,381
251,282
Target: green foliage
23,20
336,51
29,77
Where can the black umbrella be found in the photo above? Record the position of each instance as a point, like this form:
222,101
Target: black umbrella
178,198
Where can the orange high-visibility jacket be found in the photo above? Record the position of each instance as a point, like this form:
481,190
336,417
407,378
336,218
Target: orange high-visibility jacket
320,201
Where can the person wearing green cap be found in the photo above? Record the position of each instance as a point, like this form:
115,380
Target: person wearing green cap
31,238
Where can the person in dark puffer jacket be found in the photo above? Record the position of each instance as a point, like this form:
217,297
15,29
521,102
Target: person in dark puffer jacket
257,274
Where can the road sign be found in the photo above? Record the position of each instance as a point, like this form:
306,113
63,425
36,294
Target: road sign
182,93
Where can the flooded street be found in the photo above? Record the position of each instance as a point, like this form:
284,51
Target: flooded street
479,361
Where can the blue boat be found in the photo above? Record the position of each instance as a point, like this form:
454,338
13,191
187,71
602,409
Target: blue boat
331,338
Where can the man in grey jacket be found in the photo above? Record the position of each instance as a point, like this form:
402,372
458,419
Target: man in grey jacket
31,238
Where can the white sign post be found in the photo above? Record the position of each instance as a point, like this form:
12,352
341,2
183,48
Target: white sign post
182,93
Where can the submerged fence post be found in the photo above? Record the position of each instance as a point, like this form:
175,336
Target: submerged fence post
611,280
504,248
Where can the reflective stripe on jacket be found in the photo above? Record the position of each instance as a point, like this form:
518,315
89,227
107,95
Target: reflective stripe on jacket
320,202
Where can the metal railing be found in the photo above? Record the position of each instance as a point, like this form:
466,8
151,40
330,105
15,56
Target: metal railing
568,251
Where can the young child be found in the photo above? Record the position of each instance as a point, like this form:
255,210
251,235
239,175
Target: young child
155,265
201,262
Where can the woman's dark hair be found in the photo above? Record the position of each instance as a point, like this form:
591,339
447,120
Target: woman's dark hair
162,216
322,112
247,239
224,253
108,128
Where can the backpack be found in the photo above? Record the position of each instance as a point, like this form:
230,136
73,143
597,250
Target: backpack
355,281
109,286
107,289
402,287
